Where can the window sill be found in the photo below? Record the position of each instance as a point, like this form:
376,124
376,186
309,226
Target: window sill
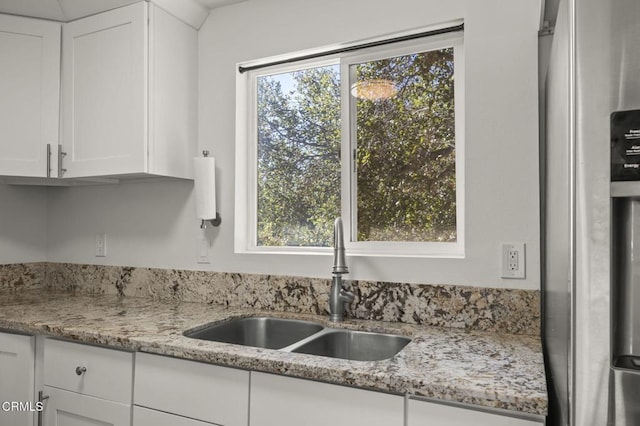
453,253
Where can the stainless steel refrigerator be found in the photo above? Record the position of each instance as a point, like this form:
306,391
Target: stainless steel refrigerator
588,224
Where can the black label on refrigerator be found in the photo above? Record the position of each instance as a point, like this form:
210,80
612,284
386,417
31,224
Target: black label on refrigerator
625,145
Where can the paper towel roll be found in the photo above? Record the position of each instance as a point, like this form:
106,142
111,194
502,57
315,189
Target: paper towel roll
204,169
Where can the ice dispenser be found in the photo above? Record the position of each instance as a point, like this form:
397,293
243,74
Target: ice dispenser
624,398
626,283
625,166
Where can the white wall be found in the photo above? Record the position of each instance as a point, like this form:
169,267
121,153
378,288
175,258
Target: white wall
23,231
152,224
501,112
147,224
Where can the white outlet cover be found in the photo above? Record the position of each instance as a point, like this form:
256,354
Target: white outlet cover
506,251
101,245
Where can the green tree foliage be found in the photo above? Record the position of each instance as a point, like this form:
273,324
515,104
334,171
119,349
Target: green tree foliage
405,154
299,159
406,151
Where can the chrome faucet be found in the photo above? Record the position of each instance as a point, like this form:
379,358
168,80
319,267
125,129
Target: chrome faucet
338,296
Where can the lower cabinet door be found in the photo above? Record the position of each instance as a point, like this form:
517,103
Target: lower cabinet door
284,401
16,379
424,413
209,393
64,408
146,417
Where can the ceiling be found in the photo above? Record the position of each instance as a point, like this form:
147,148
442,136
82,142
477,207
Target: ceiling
68,10
212,4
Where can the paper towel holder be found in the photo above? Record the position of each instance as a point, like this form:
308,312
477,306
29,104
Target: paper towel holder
214,222
217,220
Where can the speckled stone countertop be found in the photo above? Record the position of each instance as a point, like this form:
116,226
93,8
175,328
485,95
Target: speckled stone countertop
476,367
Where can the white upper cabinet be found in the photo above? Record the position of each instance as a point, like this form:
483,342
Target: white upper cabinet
29,94
129,94
104,109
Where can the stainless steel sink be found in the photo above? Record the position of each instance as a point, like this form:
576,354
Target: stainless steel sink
354,345
302,337
262,332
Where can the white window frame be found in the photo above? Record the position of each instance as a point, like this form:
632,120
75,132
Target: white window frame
249,236
348,145
246,154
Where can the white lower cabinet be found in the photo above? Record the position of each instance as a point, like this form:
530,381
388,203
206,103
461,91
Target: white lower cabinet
64,408
86,385
424,413
17,355
146,417
284,401
204,392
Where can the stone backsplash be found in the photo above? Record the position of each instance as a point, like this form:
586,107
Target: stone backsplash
20,276
475,308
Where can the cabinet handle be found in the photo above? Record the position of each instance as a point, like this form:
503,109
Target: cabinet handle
81,370
48,160
61,155
41,398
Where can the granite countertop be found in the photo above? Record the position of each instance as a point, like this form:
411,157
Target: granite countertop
482,368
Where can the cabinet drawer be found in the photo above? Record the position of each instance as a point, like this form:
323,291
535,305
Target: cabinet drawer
147,417
108,374
423,413
204,392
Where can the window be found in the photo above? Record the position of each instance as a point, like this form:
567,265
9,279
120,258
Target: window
373,135
298,156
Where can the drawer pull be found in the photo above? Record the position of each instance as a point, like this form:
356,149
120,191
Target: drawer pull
61,155
81,370
41,398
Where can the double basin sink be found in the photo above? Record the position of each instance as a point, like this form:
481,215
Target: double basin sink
302,337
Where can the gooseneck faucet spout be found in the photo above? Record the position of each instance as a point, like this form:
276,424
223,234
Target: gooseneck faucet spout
338,296
339,261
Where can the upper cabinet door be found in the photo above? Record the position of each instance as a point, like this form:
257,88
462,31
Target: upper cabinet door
104,90
29,94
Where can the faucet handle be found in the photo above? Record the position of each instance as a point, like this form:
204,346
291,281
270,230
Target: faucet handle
346,295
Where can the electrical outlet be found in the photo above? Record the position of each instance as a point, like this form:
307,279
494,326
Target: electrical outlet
512,260
101,245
